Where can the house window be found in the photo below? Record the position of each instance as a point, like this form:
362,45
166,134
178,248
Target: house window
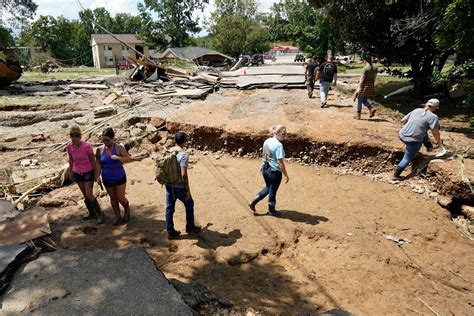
107,47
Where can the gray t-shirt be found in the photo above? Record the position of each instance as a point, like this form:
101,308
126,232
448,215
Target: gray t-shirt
418,124
182,158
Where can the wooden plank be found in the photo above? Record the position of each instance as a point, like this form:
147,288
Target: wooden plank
88,86
29,225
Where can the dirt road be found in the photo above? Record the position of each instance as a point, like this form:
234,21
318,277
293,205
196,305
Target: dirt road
326,251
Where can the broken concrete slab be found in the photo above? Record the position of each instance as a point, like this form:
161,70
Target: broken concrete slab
11,259
29,225
7,210
196,294
117,282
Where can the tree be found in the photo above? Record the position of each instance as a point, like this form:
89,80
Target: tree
69,40
236,27
174,21
6,38
59,36
454,32
19,10
124,23
308,28
396,31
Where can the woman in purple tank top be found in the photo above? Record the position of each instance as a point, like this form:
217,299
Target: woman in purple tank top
110,159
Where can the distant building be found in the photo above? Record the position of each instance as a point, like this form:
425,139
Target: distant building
199,55
107,51
284,49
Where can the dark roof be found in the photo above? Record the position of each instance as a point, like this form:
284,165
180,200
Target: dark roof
193,52
108,39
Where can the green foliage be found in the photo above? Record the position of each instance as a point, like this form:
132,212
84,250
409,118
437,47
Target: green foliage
69,40
471,122
40,58
462,71
18,10
169,22
6,38
308,28
455,30
235,28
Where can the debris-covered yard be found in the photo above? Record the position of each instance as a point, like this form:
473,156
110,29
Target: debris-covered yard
349,238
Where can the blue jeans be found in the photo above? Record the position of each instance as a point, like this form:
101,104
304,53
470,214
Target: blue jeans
272,183
365,101
412,148
173,194
324,90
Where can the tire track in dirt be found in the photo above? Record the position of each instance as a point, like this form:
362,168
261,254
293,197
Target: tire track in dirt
279,245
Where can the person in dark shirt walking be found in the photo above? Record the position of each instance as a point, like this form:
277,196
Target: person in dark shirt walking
310,75
327,74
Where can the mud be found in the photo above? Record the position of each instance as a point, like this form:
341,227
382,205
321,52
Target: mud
326,251
364,159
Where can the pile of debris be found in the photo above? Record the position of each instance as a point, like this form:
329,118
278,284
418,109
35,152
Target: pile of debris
50,65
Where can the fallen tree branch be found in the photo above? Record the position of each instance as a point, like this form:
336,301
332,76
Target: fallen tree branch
39,186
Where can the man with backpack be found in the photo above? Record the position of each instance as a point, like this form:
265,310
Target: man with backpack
326,74
172,171
310,75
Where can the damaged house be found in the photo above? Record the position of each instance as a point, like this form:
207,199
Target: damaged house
201,56
107,51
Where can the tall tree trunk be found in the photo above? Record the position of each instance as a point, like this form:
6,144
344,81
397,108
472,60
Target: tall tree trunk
443,59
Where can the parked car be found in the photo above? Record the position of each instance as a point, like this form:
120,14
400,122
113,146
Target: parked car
299,58
267,56
124,65
245,59
257,60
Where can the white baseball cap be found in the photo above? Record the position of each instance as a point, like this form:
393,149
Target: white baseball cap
433,103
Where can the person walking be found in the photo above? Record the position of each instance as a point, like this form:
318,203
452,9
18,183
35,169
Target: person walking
82,171
273,169
180,190
366,86
415,133
310,75
110,159
327,74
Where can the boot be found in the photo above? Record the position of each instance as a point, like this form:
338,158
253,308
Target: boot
126,213
91,210
372,112
98,211
357,116
397,174
254,202
272,210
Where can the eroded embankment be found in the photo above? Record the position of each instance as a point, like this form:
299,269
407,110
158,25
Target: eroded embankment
364,158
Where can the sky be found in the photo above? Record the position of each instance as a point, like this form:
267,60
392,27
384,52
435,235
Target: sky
70,8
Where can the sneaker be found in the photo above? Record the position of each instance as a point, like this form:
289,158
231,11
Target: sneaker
194,230
323,105
174,235
357,116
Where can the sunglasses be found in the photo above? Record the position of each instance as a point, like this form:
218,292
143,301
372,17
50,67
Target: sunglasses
75,135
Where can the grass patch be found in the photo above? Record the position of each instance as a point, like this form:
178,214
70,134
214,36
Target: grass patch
66,73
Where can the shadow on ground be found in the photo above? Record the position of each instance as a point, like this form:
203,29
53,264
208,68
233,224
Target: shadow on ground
297,217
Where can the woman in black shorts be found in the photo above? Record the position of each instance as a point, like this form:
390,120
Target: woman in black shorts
82,171
110,159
